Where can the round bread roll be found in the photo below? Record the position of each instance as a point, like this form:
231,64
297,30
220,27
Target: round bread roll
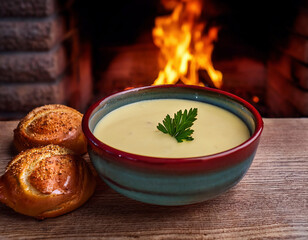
51,124
46,182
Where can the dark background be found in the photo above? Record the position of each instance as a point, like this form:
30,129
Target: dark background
250,28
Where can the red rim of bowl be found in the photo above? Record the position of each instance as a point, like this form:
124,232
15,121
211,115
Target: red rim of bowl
158,160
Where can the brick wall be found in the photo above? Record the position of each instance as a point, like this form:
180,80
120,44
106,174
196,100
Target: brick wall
287,85
40,57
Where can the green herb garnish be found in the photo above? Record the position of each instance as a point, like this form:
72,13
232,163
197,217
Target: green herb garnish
179,126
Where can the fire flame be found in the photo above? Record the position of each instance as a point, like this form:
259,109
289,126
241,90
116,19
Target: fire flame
184,50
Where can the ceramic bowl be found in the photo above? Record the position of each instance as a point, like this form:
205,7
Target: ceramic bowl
172,181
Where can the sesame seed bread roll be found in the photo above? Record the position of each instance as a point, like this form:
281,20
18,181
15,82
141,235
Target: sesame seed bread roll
46,182
51,124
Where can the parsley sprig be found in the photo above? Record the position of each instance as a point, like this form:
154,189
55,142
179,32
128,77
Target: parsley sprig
179,126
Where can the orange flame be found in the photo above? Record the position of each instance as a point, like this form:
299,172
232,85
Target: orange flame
184,50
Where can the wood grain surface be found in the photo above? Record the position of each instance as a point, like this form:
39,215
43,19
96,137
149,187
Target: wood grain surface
271,201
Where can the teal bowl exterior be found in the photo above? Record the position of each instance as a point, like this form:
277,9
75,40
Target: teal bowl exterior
172,181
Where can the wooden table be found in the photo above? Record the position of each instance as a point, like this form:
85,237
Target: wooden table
270,202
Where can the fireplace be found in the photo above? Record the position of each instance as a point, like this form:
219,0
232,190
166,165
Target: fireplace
74,52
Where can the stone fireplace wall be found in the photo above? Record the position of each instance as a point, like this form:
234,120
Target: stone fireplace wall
39,56
287,81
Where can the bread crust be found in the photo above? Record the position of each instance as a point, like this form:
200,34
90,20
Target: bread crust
51,124
46,182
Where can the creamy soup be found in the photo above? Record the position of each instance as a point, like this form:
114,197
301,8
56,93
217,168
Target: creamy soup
132,128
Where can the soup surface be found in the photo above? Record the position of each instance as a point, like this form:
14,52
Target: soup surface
132,128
